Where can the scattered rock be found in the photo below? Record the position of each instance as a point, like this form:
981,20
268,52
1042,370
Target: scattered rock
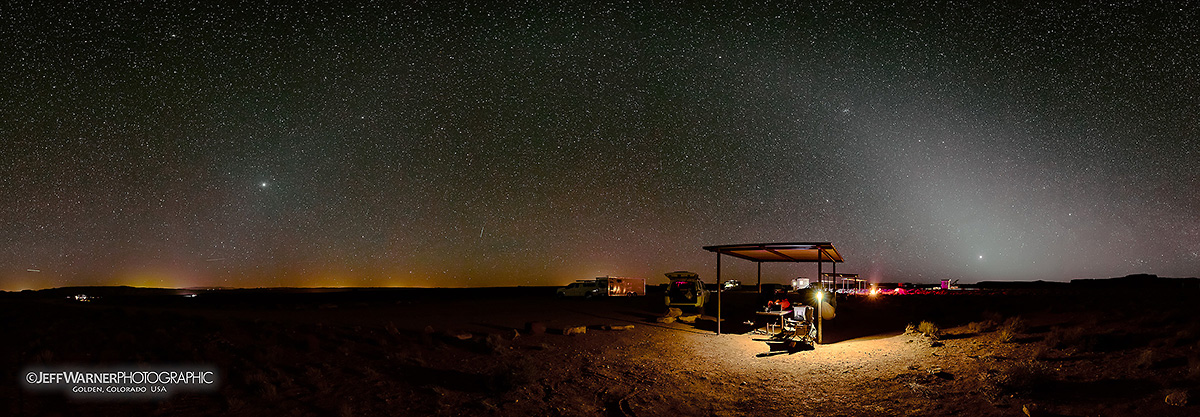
574,330
495,343
535,327
688,319
1178,398
427,335
665,319
674,312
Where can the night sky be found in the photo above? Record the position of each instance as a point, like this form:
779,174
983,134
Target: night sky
534,144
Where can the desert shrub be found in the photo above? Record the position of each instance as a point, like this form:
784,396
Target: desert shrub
495,343
1006,336
922,390
234,402
1011,328
260,380
1023,377
930,329
315,376
981,326
1041,352
1016,324
1074,339
993,316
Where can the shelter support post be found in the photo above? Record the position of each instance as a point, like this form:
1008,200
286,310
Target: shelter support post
719,285
820,300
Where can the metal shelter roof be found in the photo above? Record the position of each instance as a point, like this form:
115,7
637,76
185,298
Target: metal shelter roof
781,252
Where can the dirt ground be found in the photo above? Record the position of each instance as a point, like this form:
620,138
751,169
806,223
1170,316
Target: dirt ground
475,352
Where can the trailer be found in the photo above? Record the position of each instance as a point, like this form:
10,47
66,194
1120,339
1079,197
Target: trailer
606,286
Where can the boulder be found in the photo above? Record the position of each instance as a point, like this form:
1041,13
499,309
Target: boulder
618,328
688,319
573,330
535,327
495,343
1178,398
674,312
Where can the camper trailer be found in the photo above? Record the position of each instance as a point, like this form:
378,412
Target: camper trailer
605,287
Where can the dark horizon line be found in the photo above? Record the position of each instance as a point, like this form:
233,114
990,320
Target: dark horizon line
225,288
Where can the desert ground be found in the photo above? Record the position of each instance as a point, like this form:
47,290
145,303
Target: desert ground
1069,352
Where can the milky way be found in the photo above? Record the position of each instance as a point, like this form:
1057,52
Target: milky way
534,143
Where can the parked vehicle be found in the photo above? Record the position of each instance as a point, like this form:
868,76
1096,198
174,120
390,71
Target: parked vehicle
604,287
685,289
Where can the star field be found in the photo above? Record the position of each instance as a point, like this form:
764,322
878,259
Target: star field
192,144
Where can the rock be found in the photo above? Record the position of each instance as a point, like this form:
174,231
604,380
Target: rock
674,312
461,335
665,319
618,328
427,335
943,375
1032,410
688,319
535,327
1178,398
573,330
495,343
